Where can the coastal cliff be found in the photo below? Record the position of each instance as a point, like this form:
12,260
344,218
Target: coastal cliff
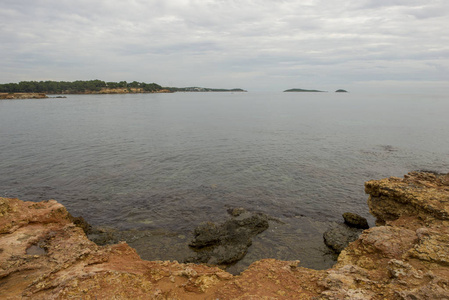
44,255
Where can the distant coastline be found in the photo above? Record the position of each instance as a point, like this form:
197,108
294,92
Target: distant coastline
201,89
30,88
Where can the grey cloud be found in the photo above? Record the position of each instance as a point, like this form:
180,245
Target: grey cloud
224,42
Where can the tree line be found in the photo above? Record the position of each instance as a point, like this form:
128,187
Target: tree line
79,86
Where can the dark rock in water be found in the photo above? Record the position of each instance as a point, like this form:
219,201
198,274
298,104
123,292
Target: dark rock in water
356,221
206,234
339,237
228,242
103,236
80,222
341,91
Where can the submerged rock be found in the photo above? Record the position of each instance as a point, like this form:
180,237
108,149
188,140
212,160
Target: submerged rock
227,243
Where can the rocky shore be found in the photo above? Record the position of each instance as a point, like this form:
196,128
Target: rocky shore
44,255
22,96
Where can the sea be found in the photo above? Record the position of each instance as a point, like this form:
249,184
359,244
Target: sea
152,167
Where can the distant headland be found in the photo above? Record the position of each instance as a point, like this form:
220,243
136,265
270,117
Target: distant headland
30,89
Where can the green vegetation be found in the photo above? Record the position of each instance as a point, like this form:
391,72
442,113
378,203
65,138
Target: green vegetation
75,87
96,86
302,90
341,91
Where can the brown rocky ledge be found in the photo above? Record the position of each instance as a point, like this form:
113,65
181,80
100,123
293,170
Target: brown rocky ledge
22,96
43,255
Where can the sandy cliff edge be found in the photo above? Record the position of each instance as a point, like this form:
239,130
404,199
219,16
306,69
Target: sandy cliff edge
43,255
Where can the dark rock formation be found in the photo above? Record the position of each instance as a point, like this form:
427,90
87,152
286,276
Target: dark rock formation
227,243
339,237
341,91
355,221
80,222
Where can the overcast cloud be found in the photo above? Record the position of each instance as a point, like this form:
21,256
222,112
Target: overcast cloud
359,45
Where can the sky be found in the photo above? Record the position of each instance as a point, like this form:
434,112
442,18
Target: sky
399,46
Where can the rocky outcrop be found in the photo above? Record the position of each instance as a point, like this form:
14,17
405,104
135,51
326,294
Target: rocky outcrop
407,256
44,255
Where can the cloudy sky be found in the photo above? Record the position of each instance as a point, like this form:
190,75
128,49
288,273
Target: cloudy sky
259,45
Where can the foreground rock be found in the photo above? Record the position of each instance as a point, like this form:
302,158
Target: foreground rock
227,243
63,263
44,255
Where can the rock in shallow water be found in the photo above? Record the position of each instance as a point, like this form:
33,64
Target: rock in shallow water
226,243
339,237
356,221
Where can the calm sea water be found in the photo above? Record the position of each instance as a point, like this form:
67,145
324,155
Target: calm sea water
166,162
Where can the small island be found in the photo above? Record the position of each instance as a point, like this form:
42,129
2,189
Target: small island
304,91
341,91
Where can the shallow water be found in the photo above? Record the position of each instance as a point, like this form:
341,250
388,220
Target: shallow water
166,162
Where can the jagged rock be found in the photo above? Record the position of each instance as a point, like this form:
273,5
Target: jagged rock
419,194
356,221
339,237
227,243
